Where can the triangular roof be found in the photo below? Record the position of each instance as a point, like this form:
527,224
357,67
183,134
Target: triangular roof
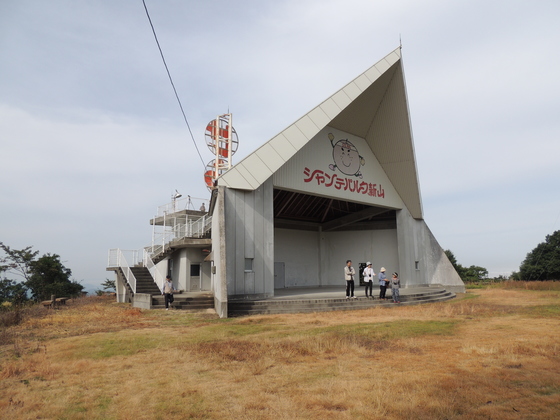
374,107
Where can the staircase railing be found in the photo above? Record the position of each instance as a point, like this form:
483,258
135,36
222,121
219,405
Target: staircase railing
187,203
156,273
125,259
197,228
117,258
194,228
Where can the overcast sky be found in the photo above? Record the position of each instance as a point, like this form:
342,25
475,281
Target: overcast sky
92,139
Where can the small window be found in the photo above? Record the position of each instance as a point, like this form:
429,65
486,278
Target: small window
195,270
248,264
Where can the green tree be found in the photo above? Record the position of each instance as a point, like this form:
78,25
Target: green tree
16,261
516,275
458,267
43,276
50,277
12,291
109,285
543,262
475,273
451,258
467,274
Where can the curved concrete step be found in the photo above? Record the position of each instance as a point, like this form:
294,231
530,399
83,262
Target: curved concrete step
240,308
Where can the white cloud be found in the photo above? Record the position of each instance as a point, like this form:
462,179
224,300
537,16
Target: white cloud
92,140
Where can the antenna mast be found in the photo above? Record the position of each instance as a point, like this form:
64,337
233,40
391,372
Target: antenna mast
222,140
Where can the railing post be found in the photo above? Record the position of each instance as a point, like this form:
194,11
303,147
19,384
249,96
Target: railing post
154,230
163,239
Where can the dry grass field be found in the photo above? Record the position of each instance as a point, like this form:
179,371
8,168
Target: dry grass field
489,354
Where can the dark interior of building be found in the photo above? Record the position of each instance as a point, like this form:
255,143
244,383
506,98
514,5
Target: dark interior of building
294,210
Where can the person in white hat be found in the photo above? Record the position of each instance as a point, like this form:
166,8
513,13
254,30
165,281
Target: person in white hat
382,283
368,279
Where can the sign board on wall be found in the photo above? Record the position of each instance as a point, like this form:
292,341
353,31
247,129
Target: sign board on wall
338,164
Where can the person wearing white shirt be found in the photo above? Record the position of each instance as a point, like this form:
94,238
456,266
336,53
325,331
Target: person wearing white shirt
368,279
349,274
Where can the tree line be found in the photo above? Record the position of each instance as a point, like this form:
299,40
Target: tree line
542,263
39,277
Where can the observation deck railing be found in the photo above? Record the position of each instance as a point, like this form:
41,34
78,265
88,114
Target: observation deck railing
124,259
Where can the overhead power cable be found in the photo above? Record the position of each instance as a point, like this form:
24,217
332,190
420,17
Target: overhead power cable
172,84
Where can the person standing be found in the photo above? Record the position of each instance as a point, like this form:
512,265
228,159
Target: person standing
168,290
395,286
382,283
368,279
349,274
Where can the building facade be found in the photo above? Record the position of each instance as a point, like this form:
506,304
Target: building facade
340,183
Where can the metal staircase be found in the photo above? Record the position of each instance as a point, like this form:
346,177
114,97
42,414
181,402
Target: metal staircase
138,267
144,281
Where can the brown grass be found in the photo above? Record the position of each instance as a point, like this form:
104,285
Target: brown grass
492,353
532,285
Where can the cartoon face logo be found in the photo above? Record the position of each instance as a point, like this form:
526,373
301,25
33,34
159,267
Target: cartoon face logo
346,157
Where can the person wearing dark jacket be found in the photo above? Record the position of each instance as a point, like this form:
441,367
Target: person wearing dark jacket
382,283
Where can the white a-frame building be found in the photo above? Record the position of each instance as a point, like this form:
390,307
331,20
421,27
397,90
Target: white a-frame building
340,183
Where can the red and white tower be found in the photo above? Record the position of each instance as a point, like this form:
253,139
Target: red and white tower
222,140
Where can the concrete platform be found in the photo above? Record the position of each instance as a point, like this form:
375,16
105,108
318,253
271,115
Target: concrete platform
339,292
333,298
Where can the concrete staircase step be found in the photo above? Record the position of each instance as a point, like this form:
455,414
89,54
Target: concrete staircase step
185,302
187,307
359,300
280,306
144,281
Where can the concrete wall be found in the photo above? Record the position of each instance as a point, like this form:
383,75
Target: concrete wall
377,246
179,269
299,251
219,277
142,300
421,258
181,275
318,258
249,225
205,272
122,292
